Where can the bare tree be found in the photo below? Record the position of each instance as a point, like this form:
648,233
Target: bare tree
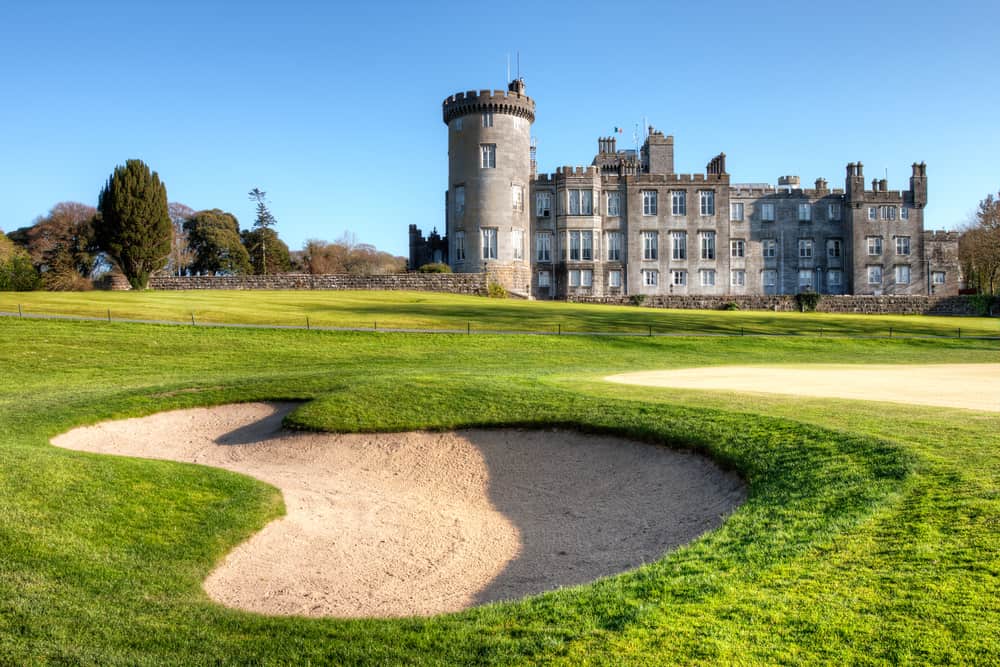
181,255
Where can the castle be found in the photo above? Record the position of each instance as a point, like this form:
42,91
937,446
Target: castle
628,224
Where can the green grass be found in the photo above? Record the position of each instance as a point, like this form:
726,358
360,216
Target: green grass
423,310
871,534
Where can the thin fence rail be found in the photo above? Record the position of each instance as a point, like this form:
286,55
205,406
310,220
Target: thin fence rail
557,329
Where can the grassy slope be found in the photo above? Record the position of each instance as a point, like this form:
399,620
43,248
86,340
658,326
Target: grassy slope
427,310
871,533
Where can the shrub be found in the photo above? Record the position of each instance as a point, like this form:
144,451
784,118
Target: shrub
807,301
638,299
730,305
435,267
496,290
982,304
17,272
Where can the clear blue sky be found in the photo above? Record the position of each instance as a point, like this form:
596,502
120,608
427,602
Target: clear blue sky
335,108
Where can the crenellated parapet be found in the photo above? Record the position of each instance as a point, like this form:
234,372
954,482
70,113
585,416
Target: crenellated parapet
511,102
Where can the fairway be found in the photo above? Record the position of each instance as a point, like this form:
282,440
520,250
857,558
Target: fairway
868,534
971,386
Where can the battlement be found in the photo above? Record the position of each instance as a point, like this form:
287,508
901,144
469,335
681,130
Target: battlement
576,171
941,236
510,102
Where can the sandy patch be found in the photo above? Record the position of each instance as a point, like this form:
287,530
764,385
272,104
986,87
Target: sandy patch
972,386
425,523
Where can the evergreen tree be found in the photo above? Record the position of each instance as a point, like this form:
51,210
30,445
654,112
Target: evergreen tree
261,225
265,246
134,226
214,238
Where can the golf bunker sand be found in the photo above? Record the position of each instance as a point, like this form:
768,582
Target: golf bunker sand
402,524
971,386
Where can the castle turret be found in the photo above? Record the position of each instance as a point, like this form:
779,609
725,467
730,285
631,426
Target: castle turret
854,185
489,173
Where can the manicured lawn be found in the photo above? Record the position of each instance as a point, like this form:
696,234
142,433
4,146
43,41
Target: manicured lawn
423,310
871,533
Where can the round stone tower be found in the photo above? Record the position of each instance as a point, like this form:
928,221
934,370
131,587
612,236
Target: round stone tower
489,174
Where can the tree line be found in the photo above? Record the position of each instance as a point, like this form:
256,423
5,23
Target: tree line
135,230
979,248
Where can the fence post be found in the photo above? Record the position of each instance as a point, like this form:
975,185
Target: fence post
109,314
559,330
890,332
375,325
307,323
192,318
651,330
19,313
960,332
468,328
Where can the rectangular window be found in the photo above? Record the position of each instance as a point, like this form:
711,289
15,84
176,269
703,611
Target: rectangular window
887,212
937,277
581,202
678,203
459,200
805,248
875,246
650,245
574,278
614,246
587,246
738,278
904,213
649,202
487,119
833,279
902,274
517,197
543,204
586,278
873,214
543,247
574,246
833,248
459,246
457,124
736,211
874,275
574,202
706,202
737,248
489,243
805,212
707,277
769,278
488,153
805,280
614,278
614,203
544,279
650,277
902,245
769,248
833,211
517,240
767,212
707,245
679,245
679,278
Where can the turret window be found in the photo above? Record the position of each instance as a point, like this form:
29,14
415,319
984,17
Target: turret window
517,240
487,119
459,200
488,154
489,243
459,246
517,197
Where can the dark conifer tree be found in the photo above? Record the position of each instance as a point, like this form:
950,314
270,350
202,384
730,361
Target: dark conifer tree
134,226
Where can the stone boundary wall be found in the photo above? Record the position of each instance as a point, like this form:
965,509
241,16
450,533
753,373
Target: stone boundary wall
453,283
869,305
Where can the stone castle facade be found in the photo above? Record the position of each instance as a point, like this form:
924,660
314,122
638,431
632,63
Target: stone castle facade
629,224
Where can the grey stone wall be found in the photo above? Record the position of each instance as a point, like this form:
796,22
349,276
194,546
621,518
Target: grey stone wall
453,283
869,305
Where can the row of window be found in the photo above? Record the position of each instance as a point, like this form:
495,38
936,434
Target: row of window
888,212
581,246
487,121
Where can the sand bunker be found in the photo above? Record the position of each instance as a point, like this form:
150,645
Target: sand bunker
425,523
972,386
